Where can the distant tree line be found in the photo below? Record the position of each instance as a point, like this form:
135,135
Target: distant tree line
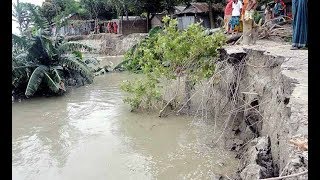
52,11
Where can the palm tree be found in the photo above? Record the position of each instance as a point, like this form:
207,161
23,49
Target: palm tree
28,17
21,15
43,59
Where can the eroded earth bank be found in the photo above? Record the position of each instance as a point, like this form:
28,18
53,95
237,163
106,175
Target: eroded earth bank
250,122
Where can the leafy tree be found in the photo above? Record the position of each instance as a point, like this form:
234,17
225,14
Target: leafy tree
22,16
123,7
49,10
28,17
42,60
170,54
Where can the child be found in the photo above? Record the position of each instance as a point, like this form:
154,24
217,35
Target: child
236,12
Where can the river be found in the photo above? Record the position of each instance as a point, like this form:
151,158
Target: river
89,133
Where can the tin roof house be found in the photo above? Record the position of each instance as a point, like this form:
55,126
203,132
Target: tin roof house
197,12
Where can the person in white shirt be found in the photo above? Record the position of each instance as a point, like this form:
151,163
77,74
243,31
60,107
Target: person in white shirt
236,12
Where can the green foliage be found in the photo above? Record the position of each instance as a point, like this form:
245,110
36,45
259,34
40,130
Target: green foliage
257,16
28,17
169,54
41,59
155,31
49,10
145,92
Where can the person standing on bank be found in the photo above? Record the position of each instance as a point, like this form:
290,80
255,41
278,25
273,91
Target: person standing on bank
300,24
115,27
227,15
236,12
249,32
109,27
278,9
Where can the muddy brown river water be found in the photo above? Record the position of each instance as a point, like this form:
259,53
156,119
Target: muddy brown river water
89,133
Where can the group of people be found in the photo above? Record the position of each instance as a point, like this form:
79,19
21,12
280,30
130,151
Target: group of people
278,10
236,11
230,11
112,27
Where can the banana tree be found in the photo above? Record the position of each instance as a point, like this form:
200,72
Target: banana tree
46,60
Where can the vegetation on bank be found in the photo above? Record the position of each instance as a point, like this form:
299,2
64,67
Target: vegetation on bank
42,64
170,54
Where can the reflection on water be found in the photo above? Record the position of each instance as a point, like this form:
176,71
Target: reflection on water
89,133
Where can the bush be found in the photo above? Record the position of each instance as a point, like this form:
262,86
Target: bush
169,54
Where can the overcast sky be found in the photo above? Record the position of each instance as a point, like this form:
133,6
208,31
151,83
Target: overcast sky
15,24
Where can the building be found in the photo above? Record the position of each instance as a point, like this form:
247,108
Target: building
76,27
156,19
197,12
178,9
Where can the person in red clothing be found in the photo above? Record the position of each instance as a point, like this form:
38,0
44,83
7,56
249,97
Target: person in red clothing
115,27
227,15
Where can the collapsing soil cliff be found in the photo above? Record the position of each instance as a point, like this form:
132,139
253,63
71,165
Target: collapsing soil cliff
262,97
258,97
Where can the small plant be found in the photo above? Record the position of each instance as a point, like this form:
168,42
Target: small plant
145,92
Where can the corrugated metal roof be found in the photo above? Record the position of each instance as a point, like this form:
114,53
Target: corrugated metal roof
179,8
201,8
158,15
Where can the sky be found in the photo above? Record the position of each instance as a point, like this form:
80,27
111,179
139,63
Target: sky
15,24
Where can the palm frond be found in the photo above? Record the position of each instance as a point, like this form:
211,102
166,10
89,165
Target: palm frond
38,50
56,75
75,64
19,76
58,40
54,86
20,69
19,41
39,21
35,80
22,60
49,46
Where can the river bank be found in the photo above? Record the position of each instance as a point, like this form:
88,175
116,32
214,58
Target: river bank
92,131
256,112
